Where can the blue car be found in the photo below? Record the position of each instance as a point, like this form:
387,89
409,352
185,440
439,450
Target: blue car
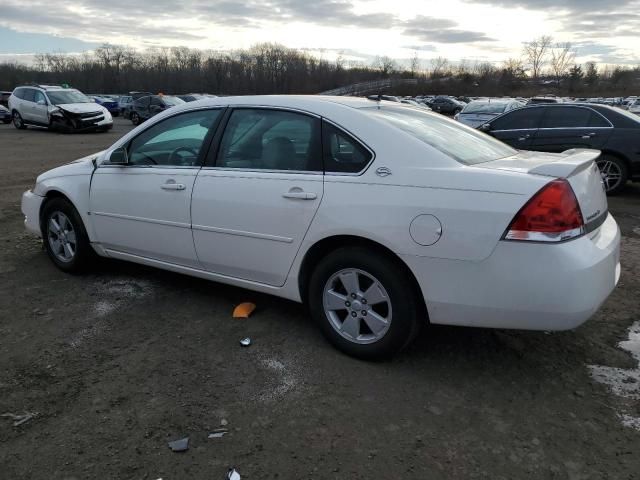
5,114
108,103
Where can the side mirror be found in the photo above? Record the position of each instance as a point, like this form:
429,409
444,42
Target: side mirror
485,127
119,156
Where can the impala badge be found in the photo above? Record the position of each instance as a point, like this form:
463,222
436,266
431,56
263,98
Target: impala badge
383,171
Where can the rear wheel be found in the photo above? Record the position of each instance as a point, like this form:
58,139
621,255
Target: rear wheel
614,173
135,118
64,236
18,122
365,303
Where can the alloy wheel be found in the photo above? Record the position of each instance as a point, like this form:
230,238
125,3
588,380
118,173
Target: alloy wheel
611,174
61,236
357,306
17,120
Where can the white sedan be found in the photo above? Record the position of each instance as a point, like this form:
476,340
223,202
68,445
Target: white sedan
381,217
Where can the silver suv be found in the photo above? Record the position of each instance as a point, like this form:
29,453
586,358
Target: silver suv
57,108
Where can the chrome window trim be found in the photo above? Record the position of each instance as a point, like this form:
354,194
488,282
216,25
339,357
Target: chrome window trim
164,167
262,170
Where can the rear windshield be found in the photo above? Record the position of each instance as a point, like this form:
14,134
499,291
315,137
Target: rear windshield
461,143
172,101
485,107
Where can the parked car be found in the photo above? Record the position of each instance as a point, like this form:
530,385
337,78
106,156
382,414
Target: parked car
446,105
57,108
144,108
556,128
538,100
634,107
108,103
388,98
5,114
124,104
478,112
380,217
192,97
415,104
4,98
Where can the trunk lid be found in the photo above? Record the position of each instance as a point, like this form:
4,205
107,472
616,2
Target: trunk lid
577,166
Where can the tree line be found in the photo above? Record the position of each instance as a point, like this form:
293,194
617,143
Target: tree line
544,67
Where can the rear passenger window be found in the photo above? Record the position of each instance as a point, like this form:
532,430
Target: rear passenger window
520,119
566,117
29,94
342,153
262,139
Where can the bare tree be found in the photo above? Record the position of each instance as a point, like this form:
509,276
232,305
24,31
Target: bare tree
536,53
439,67
415,64
562,57
386,65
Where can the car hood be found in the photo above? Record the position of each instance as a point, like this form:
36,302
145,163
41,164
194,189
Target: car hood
82,166
81,107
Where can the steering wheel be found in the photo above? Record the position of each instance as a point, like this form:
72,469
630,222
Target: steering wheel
177,151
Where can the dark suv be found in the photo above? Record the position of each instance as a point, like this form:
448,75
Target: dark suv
562,126
144,108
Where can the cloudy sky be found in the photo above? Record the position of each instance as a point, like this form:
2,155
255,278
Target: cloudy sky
606,31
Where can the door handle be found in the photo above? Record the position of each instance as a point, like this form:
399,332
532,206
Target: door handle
297,193
522,139
172,186
589,135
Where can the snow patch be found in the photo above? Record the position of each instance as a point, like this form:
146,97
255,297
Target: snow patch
283,380
624,382
114,294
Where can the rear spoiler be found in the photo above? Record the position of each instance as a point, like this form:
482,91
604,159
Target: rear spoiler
571,162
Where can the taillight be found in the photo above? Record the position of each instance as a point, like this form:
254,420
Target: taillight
552,215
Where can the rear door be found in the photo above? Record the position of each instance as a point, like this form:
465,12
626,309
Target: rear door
566,126
26,105
253,207
518,127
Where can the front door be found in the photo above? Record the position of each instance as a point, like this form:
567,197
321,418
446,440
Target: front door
253,207
143,207
518,127
40,113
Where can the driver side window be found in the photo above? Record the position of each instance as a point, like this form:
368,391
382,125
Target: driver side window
174,142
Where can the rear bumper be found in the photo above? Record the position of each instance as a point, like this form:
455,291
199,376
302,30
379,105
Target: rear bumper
523,285
30,207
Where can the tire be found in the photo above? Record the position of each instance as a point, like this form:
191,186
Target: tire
17,121
135,118
396,302
615,173
66,217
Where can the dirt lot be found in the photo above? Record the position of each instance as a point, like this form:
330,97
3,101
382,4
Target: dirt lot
116,363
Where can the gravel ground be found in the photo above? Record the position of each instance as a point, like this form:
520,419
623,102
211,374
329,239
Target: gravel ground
116,363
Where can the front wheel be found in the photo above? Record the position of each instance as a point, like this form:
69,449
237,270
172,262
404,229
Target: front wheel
614,173
64,236
364,302
135,118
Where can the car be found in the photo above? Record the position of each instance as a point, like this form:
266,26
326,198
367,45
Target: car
4,98
634,106
5,114
192,97
380,217
538,100
144,108
479,112
556,128
388,98
124,104
108,103
446,105
57,108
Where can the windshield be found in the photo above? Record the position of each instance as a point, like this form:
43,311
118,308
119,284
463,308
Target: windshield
461,143
485,107
60,97
173,101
